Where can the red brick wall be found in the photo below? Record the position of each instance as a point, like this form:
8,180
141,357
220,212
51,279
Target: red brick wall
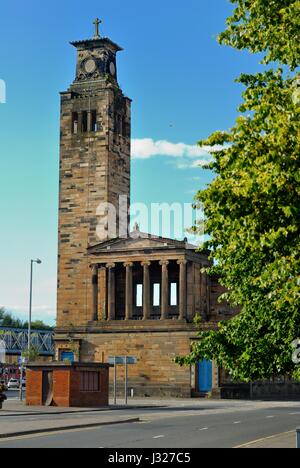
88,399
66,389
34,386
61,387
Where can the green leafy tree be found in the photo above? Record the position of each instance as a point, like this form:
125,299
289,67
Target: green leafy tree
7,320
31,355
269,26
253,205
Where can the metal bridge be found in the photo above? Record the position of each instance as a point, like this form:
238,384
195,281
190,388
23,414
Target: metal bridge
16,341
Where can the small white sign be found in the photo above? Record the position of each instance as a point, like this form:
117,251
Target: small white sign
2,352
122,360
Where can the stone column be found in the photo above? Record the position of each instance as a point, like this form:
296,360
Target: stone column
89,120
128,291
146,291
79,122
102,294
95,292
182,289
216,381
208,281
204,290
111,303
164,289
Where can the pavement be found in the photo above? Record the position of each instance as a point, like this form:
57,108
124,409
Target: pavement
284,440
153,424
17,419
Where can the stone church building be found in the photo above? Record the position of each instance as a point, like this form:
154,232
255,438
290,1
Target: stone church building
134,295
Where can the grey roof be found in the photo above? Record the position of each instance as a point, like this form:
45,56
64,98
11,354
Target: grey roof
97,43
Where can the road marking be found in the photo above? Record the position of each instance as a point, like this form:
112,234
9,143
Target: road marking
294,414
270,417
159,437
237,422
204,429
264,438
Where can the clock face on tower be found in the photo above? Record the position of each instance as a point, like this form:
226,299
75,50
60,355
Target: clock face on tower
90,66
112,68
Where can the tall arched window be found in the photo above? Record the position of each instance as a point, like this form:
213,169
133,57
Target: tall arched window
93,121
75,123
84,122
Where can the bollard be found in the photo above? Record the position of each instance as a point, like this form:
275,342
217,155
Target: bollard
298,437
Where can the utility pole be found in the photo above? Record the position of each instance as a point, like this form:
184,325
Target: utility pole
30,303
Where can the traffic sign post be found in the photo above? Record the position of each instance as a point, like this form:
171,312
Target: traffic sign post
115,381
125,361
22,362
126,381
21,383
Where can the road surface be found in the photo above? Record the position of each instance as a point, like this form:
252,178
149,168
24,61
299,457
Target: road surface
171,428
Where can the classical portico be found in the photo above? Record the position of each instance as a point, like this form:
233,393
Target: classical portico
147,278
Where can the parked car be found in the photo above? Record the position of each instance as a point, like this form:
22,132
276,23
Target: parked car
13,384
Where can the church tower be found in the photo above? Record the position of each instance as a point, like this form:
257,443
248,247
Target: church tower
94,170
131,295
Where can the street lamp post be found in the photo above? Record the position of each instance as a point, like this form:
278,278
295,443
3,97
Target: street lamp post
29,325
30,303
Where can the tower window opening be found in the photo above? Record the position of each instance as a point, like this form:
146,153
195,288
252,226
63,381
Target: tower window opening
124,127
75,123
139,295
84,124
156,295
94,127
119,125
174,294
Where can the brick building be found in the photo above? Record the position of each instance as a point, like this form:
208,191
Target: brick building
124,294
66,384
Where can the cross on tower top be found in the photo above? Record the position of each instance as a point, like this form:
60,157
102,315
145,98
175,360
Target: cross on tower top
97,23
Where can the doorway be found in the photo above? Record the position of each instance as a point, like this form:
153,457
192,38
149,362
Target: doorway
47,390
205,376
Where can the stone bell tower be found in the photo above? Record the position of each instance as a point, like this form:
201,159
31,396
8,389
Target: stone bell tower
94,170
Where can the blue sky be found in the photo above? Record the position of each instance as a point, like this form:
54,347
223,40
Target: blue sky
182,85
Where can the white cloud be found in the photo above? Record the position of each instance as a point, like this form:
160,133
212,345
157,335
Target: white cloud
146,148
188,164
185,156
201,162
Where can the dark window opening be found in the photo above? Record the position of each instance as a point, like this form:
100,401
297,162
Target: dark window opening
94,121
89,381
84,123
119,125
75,123
124,127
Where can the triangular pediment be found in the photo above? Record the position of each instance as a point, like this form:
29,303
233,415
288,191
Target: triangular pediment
137,241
